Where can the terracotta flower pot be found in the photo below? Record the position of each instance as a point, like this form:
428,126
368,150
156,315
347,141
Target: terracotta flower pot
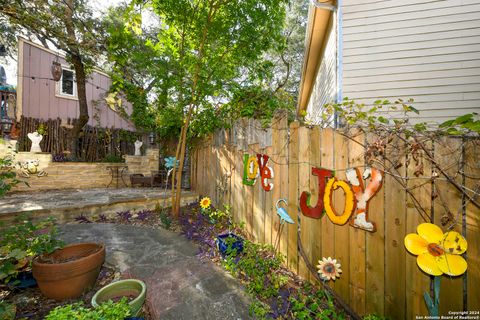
67,273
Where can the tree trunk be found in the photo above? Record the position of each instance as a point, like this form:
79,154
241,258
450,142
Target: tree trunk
176,196
79,77
83,106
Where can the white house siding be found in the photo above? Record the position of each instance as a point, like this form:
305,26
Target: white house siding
428,50
325,87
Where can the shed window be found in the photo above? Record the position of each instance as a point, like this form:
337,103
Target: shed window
67,86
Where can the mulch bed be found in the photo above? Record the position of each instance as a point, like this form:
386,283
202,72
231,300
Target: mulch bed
31,304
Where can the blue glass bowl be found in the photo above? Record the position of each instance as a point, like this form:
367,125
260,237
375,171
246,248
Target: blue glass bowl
223,241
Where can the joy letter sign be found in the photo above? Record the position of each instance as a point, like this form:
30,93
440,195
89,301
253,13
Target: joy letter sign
357,196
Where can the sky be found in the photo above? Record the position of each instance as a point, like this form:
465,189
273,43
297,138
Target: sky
10,65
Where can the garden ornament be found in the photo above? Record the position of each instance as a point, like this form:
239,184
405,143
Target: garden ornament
35,137
138,145
30,167
437,253
329,269
284,217
171,162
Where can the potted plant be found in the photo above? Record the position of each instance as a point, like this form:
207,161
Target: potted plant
19,244
229,244
68,272
134,290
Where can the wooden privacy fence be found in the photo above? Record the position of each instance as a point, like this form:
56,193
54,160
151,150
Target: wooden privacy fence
94,143
379,275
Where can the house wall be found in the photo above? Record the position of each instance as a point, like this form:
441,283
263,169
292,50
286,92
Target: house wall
428,50
37,91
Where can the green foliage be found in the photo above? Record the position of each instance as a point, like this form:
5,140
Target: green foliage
113,158
351,113
7,310
373,317
8,176
310,303
191,59
218,216
259,309
259,103
465,124
165,219
23,241
259,267
42,129
105,311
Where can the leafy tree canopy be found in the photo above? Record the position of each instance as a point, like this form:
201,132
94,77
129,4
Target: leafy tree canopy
200,54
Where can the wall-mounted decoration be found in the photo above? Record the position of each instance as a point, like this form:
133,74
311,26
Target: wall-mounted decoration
257,166
250,168
329,269
317,211
350,204
437,253
364,194
357,196
266,172
30,167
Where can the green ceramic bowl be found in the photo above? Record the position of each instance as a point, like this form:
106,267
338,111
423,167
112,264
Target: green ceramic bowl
118,289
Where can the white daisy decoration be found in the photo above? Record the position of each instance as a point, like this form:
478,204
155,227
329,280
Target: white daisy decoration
329,269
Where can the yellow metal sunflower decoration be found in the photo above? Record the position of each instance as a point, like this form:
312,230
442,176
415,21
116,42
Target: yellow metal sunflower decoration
437,252
205,203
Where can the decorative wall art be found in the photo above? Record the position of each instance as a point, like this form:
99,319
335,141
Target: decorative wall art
357,196
255,166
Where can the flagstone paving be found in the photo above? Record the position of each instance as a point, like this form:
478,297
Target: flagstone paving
179,284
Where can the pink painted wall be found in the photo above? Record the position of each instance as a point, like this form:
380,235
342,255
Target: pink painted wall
40,101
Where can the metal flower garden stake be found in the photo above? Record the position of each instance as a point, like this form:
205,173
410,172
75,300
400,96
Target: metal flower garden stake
437,253
284,217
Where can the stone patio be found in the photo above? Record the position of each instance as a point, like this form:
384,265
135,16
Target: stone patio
179,285
66,204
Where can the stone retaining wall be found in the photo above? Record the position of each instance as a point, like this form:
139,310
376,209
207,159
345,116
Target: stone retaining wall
81,175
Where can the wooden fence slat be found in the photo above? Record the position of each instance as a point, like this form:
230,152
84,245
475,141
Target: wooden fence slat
342,236
357,253
375,245
417,282
269,213
276,194
256,211
395,198
327,150
283,159
448,154
304,185
293,196
315,225
472,182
